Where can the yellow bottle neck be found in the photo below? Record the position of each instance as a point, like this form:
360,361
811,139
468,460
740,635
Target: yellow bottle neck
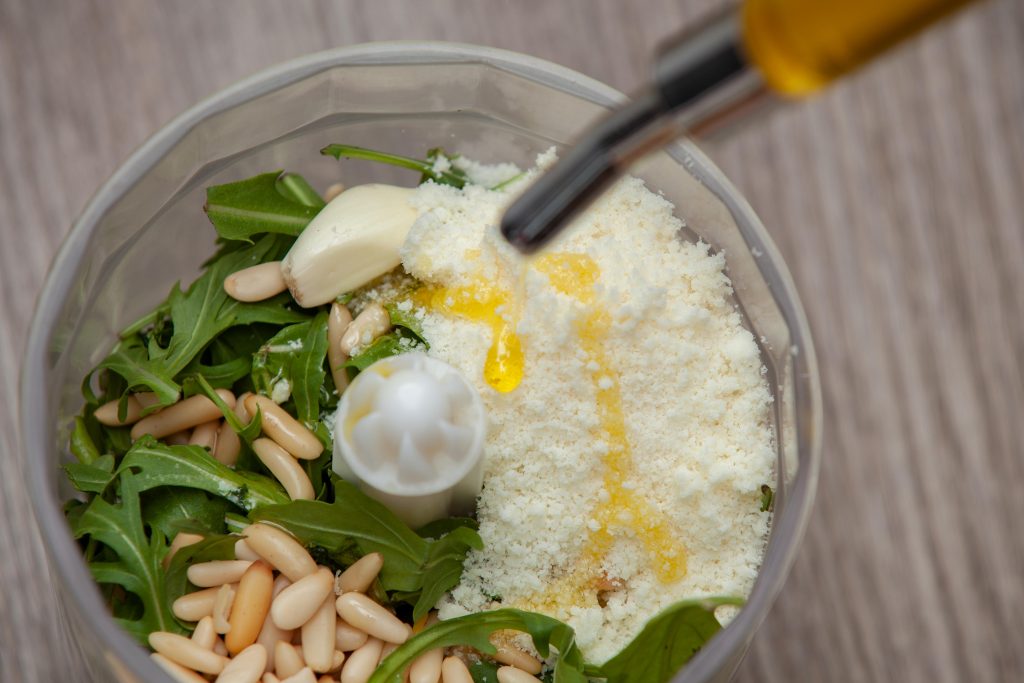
799,46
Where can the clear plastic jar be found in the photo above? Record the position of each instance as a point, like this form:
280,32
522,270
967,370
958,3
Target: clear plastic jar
143,231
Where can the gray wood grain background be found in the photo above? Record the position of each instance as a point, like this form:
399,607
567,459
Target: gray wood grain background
897,199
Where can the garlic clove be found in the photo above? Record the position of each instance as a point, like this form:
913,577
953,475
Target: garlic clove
353,239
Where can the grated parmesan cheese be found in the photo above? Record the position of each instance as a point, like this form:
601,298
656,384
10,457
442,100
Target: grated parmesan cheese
692,390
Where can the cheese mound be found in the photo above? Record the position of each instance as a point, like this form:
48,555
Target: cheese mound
565,531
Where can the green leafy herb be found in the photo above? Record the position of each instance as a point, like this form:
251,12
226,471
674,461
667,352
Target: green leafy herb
246,432
452,176
91,477
83,446
767,498
256,205
137,567
223,375
197,316
475,630
207,550
407,321
508,181
440,527
158,464
666,643
130,359
173,508
484,671
419,569
296,355
390,344
294,187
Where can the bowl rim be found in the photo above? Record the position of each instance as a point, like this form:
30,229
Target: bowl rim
62,551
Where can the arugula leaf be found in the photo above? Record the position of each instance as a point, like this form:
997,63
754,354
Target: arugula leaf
222,375
453,176
83,446
475,631
390,344
172,508
443,568
440,527
410,562
91,477
205,309
138,565
206,550
767,498
294,187
246,432
484,671
198,315
296,355
407,321
667,642
130,359
157,464
256,205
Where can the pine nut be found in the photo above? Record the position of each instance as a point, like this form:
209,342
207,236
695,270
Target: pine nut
285,469
427,667
306,675
280,549
195,606
298,602
181,650
348,638
269,636
326,678
270,678
205,435
363,613
220,648
252,602
222,608
182,415
246,667
372,322
453,670
179,438
337,660
228,445
318,636
333,191
106,414
216,572
244,552
359,577
176,671
147,399
336,324
292,435
256,283
280,583
205,635
241,412
360,664
513,656
182,539
510,674
287,660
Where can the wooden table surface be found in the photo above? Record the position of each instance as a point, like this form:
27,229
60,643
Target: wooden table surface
896,199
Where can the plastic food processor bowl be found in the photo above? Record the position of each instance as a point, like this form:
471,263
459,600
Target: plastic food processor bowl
143,231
